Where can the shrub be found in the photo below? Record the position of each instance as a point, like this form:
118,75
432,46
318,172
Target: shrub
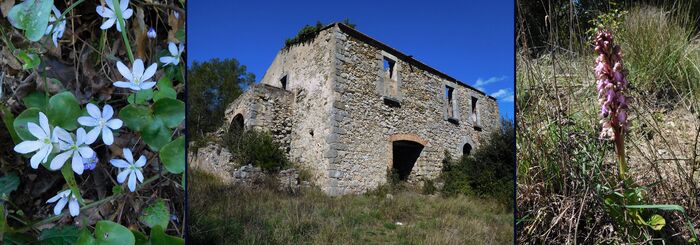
257,148
489,172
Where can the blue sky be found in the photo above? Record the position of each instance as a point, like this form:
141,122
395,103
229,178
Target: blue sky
468,40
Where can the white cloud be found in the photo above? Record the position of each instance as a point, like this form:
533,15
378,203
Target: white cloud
504,94
480,83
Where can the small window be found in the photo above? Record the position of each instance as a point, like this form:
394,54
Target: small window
389,68
466,149
450,102
390,81
476,119
283,82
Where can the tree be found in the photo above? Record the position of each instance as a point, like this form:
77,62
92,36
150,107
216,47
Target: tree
211,86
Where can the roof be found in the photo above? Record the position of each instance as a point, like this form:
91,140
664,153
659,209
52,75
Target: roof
371,41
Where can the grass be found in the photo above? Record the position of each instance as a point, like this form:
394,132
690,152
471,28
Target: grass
563,167
233,215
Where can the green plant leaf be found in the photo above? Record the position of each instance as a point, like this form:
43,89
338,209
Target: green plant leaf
180,35
156,214
8,183
136,117
20,123
29,59
656,222
158,237
171,111
8,118
66,234
165,89
85,238
173,155
110,233
32,16
36,99
3,219
64,110
141,96
156,135
141,239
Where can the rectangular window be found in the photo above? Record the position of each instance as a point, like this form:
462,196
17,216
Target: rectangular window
450,102
475,113
390,81
283,82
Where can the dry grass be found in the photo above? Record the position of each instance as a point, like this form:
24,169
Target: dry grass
222,213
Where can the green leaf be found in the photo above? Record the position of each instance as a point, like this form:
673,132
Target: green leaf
156,214
3,219
158,237
66,234
8,183
110,233
165,89
156,135
173,155
64,110
136,117
32,16
36,99
29,59
117,189
141,238
8,118
656,222
141,96
85,238
20,123
171,111
180,35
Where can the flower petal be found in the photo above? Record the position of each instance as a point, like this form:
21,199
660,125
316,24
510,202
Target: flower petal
137,69
140,162
120,84
56,197
126,14
74,207
119,163
39,156
77,163
123,4
172,48
107,24
86,152
44,122
128,156
60,205
149,72
28,146
92,135
167,60
132,182
147,85
93,110
87,121
104,12
36,130
126,73
107,136
107,112
59,160
80,136
62,135
115,124
122,175
139,175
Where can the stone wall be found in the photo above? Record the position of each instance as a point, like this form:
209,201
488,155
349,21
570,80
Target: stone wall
338,120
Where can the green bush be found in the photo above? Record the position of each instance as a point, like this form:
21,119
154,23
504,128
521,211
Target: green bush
308,33
659,51
489,171
256,148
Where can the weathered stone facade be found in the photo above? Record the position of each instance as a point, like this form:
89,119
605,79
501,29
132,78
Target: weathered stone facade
345,106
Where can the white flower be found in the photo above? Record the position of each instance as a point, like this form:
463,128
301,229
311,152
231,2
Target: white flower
102,123
137,77
43,145
175,53
60,26
177,14
77,150
112,16
151,33
63,198
129,168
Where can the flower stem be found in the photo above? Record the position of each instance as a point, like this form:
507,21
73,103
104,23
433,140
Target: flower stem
122,25
68,175
620,151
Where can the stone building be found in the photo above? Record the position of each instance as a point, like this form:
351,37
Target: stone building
354,111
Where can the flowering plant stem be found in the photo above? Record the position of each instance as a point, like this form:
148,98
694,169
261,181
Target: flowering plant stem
69,176
122,25
91,205
620,151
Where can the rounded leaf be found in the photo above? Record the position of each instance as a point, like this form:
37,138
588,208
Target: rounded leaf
136,117
173,155
156,135
32,16
156,214
20,123
64,110
110,233
171,111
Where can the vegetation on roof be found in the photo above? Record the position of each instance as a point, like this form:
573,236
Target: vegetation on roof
309,32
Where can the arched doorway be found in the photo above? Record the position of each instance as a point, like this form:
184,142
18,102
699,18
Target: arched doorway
237,124
466,149
405,153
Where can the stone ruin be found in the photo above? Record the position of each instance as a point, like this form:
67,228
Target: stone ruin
354,111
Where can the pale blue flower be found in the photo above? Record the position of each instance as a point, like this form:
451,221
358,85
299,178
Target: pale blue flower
102,123
91,162
60,27
112,16
137,78
43,145
175,52
129,168
63,198
151,33
76,150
